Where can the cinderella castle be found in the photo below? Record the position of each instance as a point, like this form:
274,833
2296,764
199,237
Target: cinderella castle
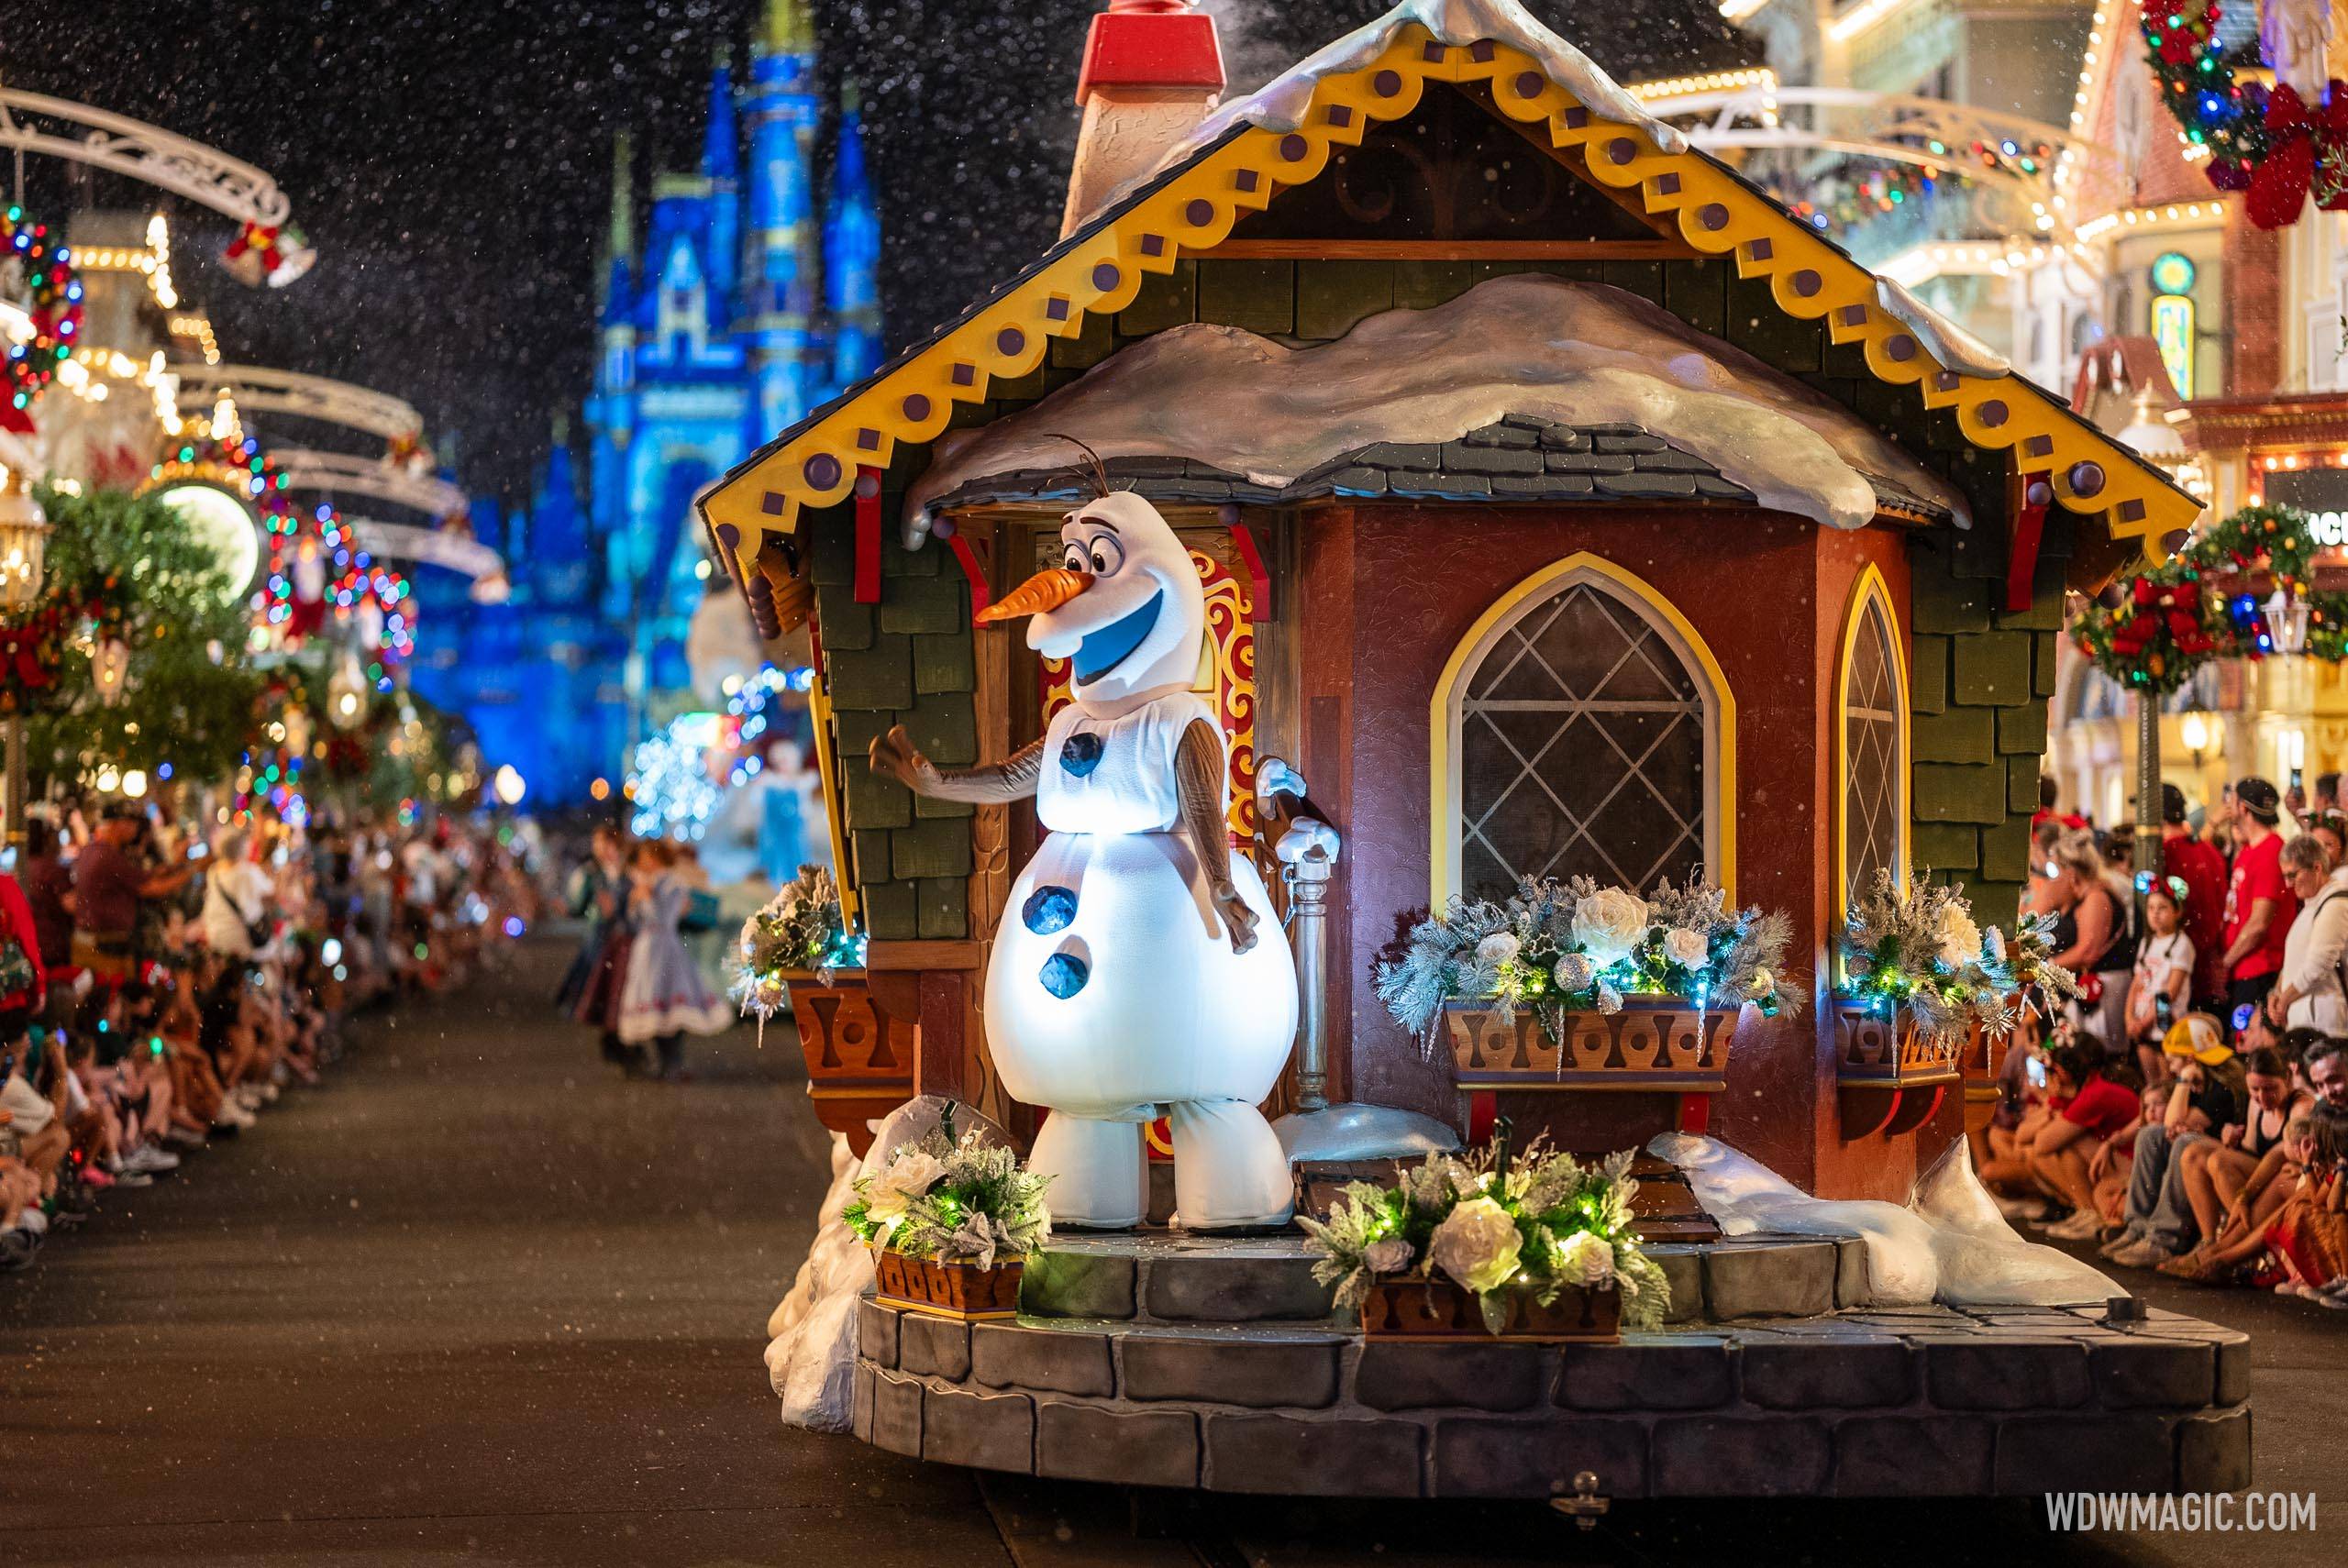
745,299
736,313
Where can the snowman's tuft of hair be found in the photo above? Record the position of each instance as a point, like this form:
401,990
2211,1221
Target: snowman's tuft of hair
1101,486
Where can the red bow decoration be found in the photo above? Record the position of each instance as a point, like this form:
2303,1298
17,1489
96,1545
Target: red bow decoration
21,648
254,254
2174,608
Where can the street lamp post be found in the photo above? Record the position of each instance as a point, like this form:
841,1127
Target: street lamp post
24,543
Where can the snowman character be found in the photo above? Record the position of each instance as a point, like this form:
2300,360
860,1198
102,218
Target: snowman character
1139,969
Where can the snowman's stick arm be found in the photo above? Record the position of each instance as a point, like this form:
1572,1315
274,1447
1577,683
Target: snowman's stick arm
1012,779
1198,771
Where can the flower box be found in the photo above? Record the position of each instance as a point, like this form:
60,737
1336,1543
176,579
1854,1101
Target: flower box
1666,1043
1426,1310
859,1056
1873,1047
963,1291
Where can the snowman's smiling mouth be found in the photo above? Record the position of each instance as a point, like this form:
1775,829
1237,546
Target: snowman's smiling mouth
1104,649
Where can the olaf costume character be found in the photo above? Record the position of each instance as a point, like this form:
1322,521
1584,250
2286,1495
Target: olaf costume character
1138,968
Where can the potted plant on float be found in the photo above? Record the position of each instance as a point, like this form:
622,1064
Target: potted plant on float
951,1223
796,951
1569,984
1922,981
1466,1247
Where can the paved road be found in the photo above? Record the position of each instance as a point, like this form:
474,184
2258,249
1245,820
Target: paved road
478,1300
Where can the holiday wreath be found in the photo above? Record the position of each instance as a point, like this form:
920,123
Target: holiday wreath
2268,141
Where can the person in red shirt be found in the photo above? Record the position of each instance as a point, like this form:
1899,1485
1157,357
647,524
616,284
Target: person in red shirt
2089,1111
2260,905
2048,792
2203,871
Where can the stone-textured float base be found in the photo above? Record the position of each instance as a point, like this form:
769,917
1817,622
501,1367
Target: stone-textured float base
1204,1364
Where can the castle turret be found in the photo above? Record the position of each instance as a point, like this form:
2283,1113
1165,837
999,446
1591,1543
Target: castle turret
780,289
852,254
611,406
721,165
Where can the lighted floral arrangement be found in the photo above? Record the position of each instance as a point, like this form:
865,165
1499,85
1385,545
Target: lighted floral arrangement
1560,948
955,1200
798,931
1542,1224
1921,950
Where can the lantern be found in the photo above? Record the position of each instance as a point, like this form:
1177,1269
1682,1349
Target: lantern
110,668
346,694
24,543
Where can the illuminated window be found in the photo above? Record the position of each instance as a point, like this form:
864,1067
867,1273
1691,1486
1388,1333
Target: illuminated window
1872,708
2173,333
1581,729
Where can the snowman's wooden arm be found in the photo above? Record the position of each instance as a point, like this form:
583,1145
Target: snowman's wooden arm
1198,768
893,756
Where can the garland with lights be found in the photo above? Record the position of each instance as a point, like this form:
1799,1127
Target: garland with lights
2328,627
370,588
2274,540
52,300
2266,141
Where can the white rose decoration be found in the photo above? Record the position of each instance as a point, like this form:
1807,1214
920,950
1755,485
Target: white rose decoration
1586,1259
1575,972
1387,1254
912,1173
1685,947
1477,1245
1608,924
1497,948
1960,938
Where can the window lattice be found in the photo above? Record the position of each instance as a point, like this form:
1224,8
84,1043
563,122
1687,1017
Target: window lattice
1871,718
1582,748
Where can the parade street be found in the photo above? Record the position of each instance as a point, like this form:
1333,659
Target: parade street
497,1305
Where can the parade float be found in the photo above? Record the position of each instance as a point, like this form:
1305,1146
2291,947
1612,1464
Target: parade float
1423,484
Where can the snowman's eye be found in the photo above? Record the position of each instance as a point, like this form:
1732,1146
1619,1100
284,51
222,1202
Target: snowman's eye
1108,554
1074,559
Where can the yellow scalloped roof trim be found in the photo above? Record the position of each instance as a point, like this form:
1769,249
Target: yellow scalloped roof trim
1718,214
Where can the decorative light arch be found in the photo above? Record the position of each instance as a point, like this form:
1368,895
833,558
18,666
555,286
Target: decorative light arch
1661,615
1869,612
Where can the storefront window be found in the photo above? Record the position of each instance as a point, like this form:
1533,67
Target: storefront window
1873,713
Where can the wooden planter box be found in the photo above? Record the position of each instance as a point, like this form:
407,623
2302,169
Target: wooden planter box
859,1056
1889,1078
962,1291
1654,1043
1426,1310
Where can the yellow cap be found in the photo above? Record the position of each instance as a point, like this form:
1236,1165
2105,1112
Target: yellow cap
2196,1034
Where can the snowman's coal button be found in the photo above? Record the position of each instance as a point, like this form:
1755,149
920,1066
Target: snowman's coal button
1048,910
1080,754
1064,975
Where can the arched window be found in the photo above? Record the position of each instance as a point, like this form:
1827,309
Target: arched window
1581,728
1871,707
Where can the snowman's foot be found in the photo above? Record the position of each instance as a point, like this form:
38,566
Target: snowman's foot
1099,1180
1230,1173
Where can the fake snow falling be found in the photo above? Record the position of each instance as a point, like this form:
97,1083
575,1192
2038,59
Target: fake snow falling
1524,344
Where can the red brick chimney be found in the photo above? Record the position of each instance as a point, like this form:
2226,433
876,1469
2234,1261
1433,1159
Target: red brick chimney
1152,71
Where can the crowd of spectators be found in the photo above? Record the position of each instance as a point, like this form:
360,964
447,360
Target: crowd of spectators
161,988
2188,1111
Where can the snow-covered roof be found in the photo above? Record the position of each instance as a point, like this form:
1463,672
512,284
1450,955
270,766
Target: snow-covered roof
1526,345
1282,103
1239,165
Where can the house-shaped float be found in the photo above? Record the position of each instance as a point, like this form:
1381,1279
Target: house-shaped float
1562,504
1559,506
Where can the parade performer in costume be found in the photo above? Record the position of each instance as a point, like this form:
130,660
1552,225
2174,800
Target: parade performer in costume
1139,967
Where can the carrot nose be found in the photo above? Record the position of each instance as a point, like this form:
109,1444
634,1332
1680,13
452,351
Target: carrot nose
1047,591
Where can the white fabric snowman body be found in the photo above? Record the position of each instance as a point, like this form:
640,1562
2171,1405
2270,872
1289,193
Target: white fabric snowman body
1112,994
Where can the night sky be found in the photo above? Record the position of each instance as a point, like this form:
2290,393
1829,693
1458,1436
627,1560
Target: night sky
450,159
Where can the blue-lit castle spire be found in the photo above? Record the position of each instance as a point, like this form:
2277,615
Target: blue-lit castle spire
852,253
744,298
783,110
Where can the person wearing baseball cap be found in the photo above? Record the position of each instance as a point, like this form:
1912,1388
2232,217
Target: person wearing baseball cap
2197,864
2260,905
